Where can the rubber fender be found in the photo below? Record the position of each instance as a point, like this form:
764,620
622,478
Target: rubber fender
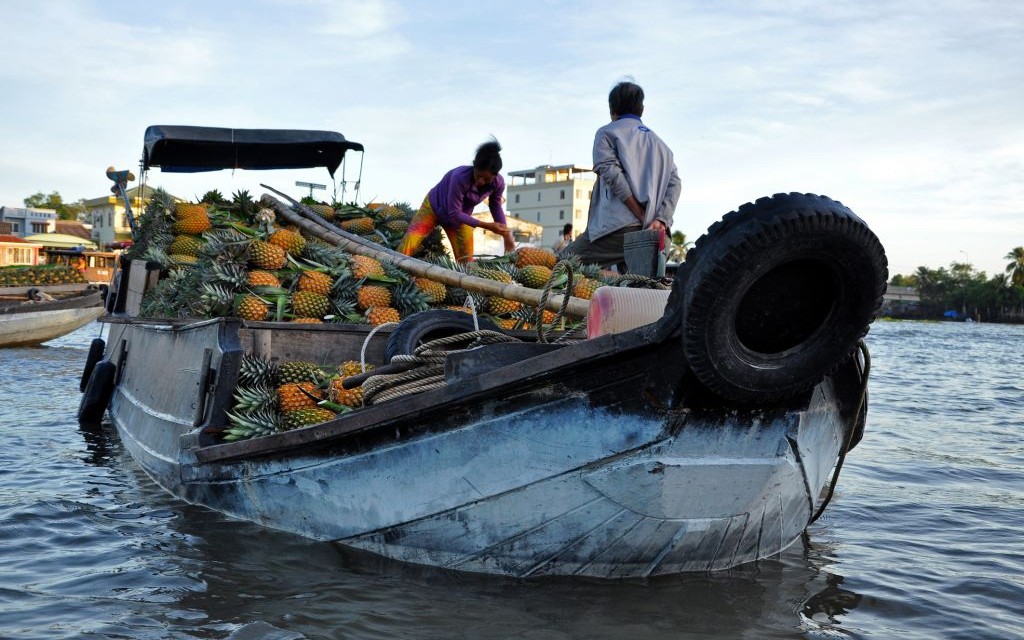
777,294
97,393
96,348
432,324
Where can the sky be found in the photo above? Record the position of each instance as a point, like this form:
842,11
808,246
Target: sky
910,113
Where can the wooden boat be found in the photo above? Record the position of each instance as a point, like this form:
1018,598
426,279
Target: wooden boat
707,437
38,314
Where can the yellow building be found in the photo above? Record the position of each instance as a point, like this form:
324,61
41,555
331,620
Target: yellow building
551,196
109,223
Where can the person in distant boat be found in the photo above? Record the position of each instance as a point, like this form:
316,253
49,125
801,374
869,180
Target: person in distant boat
565,240
637,186
450,205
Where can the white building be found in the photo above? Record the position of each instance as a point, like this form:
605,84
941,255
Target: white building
26,222
551,196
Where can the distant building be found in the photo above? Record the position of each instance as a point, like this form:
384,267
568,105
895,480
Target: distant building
900,301
486,243
109,223
18,251
551,196
27,221
74,228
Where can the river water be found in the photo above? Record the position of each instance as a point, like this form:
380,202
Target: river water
923,538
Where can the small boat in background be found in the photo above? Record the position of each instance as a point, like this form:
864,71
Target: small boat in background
38,314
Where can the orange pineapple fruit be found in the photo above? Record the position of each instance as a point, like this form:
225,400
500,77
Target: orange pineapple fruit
307,304
289,240
315,281
364,267
307,320
360,226
352,368
266,256
292,396
382,315
324,211
436,291
373,296
526,256
259,278
585,287
348,397
250,307
502,306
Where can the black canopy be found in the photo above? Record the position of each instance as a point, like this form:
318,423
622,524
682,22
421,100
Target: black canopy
178,149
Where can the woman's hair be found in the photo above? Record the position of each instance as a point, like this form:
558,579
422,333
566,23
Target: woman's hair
488,157
626,98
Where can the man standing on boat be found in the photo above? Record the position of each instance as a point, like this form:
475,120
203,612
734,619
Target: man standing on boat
638,186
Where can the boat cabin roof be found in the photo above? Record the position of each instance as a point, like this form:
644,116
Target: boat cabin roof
185,149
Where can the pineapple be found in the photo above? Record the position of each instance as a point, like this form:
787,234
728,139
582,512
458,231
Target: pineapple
250,307
435,291
398,227
382,315
502,306
296,395
365,267
252,424
307,320
255,371
351,368
585,287
348,397
324,211
534,276
185,245
306,416
290,241
373,296
260,278
361,226
191,219
526,256
266,256
300,371
316,282
307,304
390,212
249,399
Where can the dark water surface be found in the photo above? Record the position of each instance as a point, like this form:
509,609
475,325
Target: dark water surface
923,539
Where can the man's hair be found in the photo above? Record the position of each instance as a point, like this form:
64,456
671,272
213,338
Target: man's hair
488,157
626,98
567,228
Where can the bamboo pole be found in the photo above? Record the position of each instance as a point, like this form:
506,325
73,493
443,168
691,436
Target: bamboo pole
310,222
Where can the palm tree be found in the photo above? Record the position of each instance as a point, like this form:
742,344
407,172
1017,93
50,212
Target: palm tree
1016,267
678,247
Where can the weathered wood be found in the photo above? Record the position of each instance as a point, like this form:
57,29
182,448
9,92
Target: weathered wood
316,226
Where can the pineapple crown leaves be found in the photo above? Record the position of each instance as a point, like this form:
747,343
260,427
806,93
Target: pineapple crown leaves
249,424
254,370
254,398
228,274
216,300
346,289
158,255
408,299
398,275
343,308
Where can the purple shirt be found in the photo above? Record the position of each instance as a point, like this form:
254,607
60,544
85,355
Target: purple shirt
455,196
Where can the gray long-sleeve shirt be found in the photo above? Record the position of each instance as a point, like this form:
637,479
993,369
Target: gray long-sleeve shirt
631,160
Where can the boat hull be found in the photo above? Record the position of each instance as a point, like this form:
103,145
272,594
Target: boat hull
31,324
583,472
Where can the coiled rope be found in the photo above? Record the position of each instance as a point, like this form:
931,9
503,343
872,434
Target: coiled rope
428,361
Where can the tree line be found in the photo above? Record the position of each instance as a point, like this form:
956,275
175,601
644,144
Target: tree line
962,291
53,200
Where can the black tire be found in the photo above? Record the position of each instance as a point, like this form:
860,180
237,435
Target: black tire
97,393
777,295
425,326
96,348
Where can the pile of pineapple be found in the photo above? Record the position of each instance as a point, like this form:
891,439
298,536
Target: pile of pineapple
221,258
42,275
